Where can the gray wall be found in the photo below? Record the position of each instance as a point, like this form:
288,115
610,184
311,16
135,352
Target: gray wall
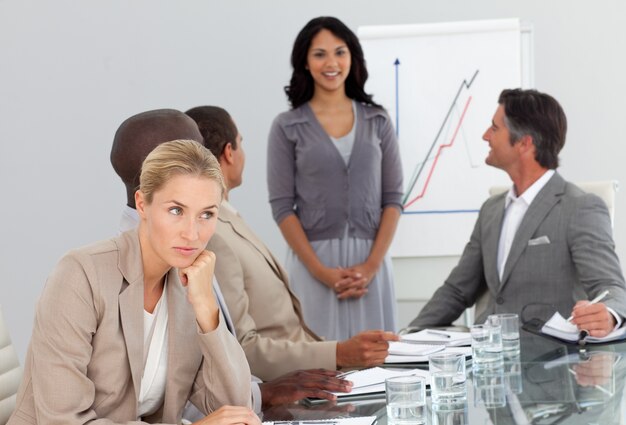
71,71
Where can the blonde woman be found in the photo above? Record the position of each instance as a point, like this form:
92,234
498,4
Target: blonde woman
127,330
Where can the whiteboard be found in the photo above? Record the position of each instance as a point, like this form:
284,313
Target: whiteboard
440,84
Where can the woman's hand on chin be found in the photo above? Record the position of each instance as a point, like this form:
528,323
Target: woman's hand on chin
198,278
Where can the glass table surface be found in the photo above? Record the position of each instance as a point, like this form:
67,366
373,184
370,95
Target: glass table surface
548,383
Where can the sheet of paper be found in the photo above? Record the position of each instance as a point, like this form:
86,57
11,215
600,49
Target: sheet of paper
358,420
373,380
559,327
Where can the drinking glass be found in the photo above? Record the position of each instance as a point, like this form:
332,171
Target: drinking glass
486,345
489,386
447,378
406,400
509,327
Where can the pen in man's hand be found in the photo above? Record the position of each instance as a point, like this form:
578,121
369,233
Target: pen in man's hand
594,301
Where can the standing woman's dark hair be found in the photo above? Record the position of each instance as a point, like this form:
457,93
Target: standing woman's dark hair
301,87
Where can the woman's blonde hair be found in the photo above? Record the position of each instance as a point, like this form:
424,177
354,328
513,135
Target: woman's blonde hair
175,158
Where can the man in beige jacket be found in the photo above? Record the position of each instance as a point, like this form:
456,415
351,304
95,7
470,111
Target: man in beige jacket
266,314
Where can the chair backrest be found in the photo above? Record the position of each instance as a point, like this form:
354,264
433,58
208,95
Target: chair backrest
10,373
605,189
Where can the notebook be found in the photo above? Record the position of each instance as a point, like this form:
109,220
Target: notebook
560,328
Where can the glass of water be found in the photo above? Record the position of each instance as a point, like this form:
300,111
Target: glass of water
509,326
450,415
513,374
486,345
447,378
489,387
406,400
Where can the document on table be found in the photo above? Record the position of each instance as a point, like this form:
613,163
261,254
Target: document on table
372,380
399,348
438,337
560,328
392,359
370,383
357,420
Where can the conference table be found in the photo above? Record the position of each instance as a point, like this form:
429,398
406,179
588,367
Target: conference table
550,382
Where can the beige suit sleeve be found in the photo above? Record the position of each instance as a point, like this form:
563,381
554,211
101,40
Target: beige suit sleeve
224,377
65,321
269,356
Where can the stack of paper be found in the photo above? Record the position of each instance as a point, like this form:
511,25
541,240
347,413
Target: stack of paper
560,328
358,420
393,359
369,381
400,348
439,337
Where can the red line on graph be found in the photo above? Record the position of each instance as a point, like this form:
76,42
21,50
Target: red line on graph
442,147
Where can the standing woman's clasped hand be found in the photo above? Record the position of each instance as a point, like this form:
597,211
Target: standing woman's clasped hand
354,281
363,274
347,283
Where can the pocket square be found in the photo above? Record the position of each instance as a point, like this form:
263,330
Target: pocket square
541,240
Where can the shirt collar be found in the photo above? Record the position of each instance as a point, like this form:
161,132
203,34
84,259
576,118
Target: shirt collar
529,194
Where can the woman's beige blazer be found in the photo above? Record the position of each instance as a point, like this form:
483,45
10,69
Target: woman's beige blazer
85,359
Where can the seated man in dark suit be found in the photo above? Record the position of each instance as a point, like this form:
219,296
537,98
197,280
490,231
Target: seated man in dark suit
545,242
267,315
136,137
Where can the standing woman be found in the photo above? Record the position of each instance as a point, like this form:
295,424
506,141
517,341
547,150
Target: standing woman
128,329
335,185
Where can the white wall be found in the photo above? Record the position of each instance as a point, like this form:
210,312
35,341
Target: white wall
71,71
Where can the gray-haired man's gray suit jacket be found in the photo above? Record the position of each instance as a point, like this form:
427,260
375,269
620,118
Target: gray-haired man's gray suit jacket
563,251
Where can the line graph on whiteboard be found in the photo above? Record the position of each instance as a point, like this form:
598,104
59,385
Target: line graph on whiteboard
441,88
410,197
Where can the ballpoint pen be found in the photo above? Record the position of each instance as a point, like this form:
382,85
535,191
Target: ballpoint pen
441,334
594,301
